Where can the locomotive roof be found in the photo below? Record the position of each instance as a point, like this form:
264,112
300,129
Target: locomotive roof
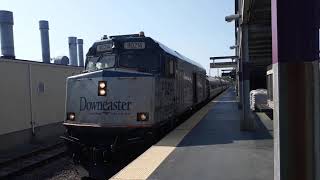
210,78
180,56
162,46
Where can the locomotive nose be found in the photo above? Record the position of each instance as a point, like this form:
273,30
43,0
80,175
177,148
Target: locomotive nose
111,101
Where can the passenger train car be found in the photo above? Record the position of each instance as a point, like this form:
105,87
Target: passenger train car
132,87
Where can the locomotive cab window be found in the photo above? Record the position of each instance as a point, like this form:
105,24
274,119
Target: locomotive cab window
104,61
143,62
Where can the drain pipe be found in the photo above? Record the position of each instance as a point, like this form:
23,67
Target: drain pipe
6,34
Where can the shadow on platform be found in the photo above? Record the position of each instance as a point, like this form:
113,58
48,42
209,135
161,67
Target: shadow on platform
222,125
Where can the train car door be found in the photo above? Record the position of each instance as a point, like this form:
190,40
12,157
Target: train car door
194,87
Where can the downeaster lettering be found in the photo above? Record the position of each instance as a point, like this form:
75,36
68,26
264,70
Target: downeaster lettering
104,105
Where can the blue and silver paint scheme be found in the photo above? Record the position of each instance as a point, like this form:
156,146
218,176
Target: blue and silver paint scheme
164,85
127,93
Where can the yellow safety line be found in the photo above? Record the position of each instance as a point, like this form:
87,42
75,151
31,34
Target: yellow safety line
143,166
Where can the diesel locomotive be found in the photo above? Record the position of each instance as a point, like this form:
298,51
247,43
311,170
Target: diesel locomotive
132,86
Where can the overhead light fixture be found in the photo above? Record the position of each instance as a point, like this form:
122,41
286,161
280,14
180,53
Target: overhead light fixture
233,17
234,47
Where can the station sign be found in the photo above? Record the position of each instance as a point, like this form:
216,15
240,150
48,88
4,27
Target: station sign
223,65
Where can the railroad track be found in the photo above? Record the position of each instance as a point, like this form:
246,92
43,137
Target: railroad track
19,165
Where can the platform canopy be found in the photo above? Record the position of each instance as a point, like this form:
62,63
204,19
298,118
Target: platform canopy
257,14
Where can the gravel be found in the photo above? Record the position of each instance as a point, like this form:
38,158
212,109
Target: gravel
61,169
64,168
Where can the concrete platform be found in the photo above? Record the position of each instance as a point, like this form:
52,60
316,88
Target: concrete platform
209,145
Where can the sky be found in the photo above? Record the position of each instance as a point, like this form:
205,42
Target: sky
194,28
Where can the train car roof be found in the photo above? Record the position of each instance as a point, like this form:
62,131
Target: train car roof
214,79
180,56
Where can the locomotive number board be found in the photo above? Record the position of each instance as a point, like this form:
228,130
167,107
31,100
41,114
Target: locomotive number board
104,47
134,45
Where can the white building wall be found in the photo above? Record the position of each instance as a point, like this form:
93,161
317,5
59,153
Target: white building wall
15,111
32,92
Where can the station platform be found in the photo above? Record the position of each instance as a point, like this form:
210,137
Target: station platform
209,145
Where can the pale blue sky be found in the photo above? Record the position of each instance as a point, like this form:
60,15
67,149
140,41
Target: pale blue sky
195,28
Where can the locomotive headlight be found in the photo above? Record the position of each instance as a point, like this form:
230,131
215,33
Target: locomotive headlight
102,84
102,88
102,92
142,116
71,116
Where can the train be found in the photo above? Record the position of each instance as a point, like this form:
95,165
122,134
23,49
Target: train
131,88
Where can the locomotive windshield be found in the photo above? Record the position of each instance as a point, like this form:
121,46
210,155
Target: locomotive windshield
136,55
143,62
146,62
101,62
